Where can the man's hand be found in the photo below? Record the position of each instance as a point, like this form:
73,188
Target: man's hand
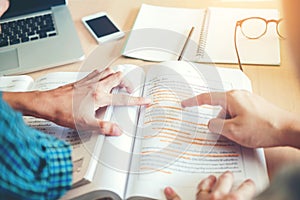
79,101
75,105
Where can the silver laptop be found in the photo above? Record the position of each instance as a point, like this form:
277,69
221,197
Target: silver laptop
37,34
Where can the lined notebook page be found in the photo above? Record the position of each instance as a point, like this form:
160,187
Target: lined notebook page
159,33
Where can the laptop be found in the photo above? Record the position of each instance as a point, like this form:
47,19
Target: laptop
37,34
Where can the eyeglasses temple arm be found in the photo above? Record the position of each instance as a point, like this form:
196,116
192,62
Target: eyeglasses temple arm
236,49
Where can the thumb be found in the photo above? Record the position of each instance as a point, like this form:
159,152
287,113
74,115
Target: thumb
222,126
216,125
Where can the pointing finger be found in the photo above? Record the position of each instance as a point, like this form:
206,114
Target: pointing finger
213,98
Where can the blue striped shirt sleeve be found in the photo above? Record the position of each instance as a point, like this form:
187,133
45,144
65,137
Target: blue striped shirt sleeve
33,165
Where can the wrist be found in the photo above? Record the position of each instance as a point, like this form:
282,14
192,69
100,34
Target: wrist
290,131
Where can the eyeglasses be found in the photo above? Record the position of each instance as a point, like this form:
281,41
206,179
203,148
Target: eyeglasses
254,28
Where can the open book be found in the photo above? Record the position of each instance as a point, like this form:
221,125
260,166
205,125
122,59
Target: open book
85,147
164,144
159,34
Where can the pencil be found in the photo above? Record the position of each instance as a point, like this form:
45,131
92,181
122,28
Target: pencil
186,42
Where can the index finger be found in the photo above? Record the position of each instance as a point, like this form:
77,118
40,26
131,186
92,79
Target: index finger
212,98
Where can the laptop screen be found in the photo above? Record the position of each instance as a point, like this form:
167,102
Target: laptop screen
21,7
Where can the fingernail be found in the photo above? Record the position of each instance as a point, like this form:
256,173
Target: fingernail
169,191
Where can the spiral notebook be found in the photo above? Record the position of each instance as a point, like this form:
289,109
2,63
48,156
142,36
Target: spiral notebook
159,34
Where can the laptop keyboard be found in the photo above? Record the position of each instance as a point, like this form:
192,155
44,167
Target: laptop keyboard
25,30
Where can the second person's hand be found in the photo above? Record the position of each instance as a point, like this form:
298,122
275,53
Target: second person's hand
247,119
213,188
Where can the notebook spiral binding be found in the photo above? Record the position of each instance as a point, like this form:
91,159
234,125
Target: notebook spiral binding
203,36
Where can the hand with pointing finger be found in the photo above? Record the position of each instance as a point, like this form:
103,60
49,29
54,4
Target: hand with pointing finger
94,92
249,120
75,105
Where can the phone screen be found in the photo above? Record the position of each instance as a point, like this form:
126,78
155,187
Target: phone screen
102,26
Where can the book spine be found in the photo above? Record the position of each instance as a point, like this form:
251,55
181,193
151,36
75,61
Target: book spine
203,35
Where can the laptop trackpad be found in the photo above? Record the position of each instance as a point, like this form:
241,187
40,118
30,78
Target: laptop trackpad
9,59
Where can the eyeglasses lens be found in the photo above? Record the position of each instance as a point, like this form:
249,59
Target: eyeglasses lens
281,29
253,28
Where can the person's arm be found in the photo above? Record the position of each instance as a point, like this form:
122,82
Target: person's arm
75,105
33,165
250,120
32,103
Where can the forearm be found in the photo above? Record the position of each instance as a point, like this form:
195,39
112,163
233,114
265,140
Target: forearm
279,157
33,103
53,105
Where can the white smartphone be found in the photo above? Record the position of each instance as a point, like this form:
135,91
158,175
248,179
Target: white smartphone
102,27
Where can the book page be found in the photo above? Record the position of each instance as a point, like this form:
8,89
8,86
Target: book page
114,160
159,33
19,83
173,146
56,79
